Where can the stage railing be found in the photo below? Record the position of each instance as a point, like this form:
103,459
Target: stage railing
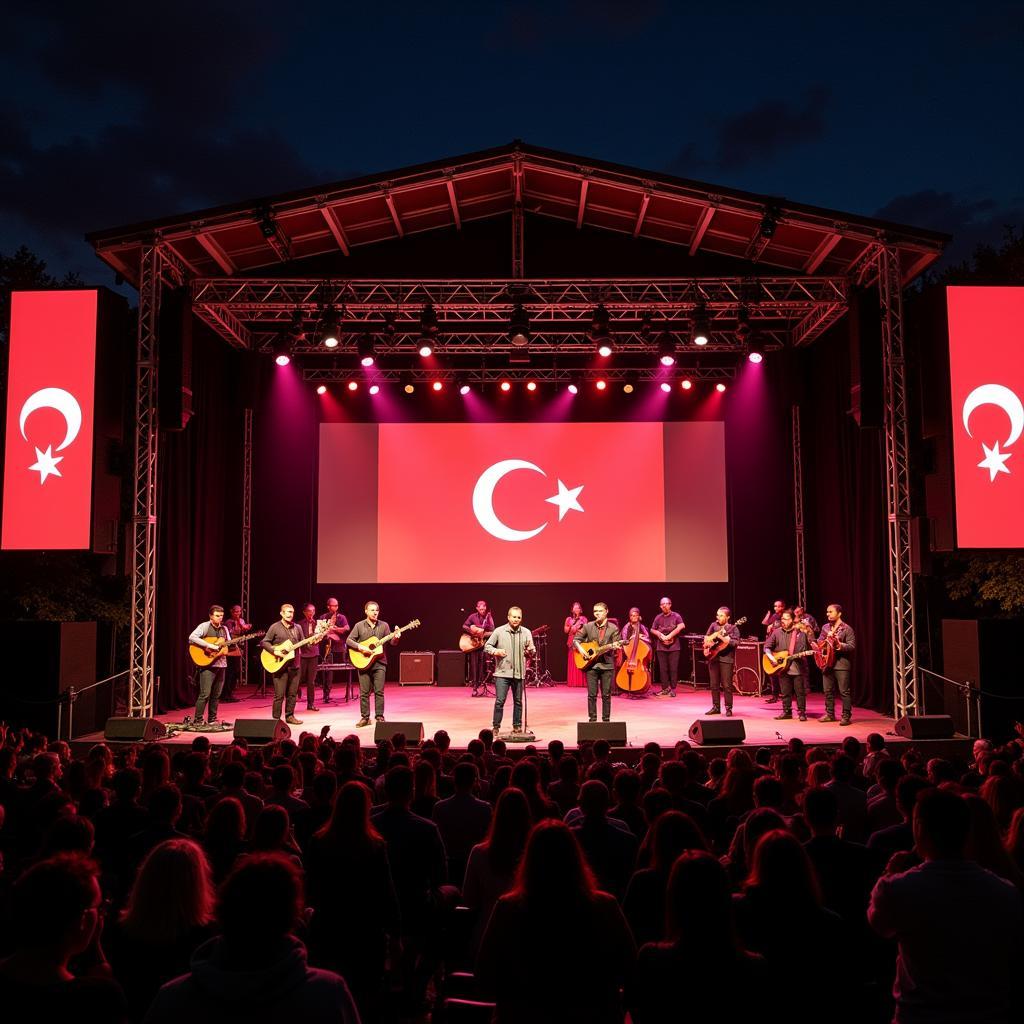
969,693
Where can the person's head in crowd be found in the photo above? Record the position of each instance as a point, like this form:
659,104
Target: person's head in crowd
126,784
526,777
698,905
819,773
46,767
225,824
553,872
1004,794
791,771
797,746
782,872
769,792
499,748
271,830
350,823
626,788
941,770
653,747
875,742
194,769
593,800
509,830
424,779
173,893
556,751
260,902
671,835
465,777
70,833
821,811
942,825
476,747
155,766
650,765
674,777
716,772
325,785
657,800
852,749
282,779
985,842
602,748
981,746
908,790
442,741
763,757
696,766
569,770
232,776
486,737
165,805
502,777
398,785
201,744
757,824
889,773
843,769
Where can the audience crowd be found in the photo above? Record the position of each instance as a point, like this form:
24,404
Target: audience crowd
308,880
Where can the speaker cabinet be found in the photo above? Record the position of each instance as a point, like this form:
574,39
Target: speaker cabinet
925,727
134,730
416,668
708,731
260,731
613,732
412,731
451,668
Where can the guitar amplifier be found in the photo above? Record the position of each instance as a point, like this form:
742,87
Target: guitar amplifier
416,668
451,668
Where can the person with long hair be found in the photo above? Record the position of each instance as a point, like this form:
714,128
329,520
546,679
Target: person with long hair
526,776
168,915
574,622
348,878
701,955
425,789
224,840
492,864
984,843
524,963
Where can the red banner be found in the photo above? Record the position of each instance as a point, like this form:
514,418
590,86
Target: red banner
48,453
986,364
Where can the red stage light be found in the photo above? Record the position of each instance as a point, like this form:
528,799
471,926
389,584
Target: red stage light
573,390
283,359
755,357
464,390
322,390
374,389
506,386
426,350
604,351
720,387
665,386
601,385
686,385
437,385
409,389
531,385
353,385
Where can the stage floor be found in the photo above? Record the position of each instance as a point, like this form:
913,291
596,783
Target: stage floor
552,714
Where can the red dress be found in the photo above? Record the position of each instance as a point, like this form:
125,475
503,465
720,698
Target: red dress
574,677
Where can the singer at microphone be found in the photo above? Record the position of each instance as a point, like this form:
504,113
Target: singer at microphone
510,644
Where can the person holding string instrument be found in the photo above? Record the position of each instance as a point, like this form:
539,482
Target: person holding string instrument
720,641
785,654
665,630
368,639
772,620
278,657
211,638
475,630
832,655
634,676
334,649
594,645
574,622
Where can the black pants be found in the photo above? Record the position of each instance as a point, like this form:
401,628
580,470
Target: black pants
373,677
211,681
308,668
475,668
830,680
668,668
599,675
335,657
720,673
232,676
502,685
793,684
286,688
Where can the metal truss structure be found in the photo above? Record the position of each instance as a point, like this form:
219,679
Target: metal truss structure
245,586
798,509
542,375
473,315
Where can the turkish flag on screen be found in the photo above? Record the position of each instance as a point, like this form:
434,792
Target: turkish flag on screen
48,452
986,364
527,501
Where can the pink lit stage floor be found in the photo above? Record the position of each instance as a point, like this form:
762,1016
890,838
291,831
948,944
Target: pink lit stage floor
553,713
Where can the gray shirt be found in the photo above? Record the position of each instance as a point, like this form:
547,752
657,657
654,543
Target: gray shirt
207,629
515,645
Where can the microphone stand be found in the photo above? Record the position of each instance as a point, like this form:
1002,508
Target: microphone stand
525,735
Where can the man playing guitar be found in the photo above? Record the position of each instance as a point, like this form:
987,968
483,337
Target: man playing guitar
599,674
787,638
210,678
665,629
720,666
286,678
479,626
373,674
838,633
236,627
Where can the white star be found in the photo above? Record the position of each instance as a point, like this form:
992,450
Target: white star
566,499
46,464
994,461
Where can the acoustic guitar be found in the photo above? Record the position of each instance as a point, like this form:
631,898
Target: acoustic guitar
203,657
715,643
284,652
376,645
468,642
782,659
587,653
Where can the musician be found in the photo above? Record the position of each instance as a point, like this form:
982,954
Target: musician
211,677
786,638
665,628
335,652
478,624
286,678
839,673
373,675
510,644
309,656
236,626
771,621
805,618
720,668
600,631
634,623
574,622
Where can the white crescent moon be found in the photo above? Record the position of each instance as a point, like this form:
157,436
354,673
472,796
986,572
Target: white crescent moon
54,398
1007,400
483,500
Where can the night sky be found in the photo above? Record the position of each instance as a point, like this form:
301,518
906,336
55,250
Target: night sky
116,112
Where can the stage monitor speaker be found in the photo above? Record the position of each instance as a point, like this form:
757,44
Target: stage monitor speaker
416,668
708,731
259,731
451,668
134,730
613,732
412,731
925,727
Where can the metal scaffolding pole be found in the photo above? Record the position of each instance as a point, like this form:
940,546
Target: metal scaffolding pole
897,487
246,529
517,217
798,510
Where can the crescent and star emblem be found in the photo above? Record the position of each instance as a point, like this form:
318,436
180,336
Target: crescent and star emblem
567,500
998,395
67,405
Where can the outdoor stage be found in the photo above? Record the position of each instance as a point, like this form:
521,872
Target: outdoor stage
552,713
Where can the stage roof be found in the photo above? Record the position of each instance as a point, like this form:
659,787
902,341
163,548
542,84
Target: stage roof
259,234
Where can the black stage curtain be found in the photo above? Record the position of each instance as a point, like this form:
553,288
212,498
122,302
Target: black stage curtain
845,516
199,514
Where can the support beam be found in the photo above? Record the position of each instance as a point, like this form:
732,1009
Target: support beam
517,217
701,230
215,252
798,507
245,584
584,187
394,213
334,226
644,203
454,203
828,243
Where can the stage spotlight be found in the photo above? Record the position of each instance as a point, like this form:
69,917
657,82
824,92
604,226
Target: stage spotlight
282,350
426,349
353,385
366,350
437,385
322,389
572,389
667,349
665,386
464,390
686,385
769,221
330,329
428,329
531,385
409,389
600,331
720,387
506,385
627,388
601,385
374,389
519,327
700,325
755,356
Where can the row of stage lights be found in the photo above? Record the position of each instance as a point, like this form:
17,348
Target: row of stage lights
531,386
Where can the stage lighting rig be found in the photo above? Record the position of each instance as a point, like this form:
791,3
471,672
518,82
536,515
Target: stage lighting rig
701,331
366,350
330,329
600,331
667,349
428,330
519,327
282,349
